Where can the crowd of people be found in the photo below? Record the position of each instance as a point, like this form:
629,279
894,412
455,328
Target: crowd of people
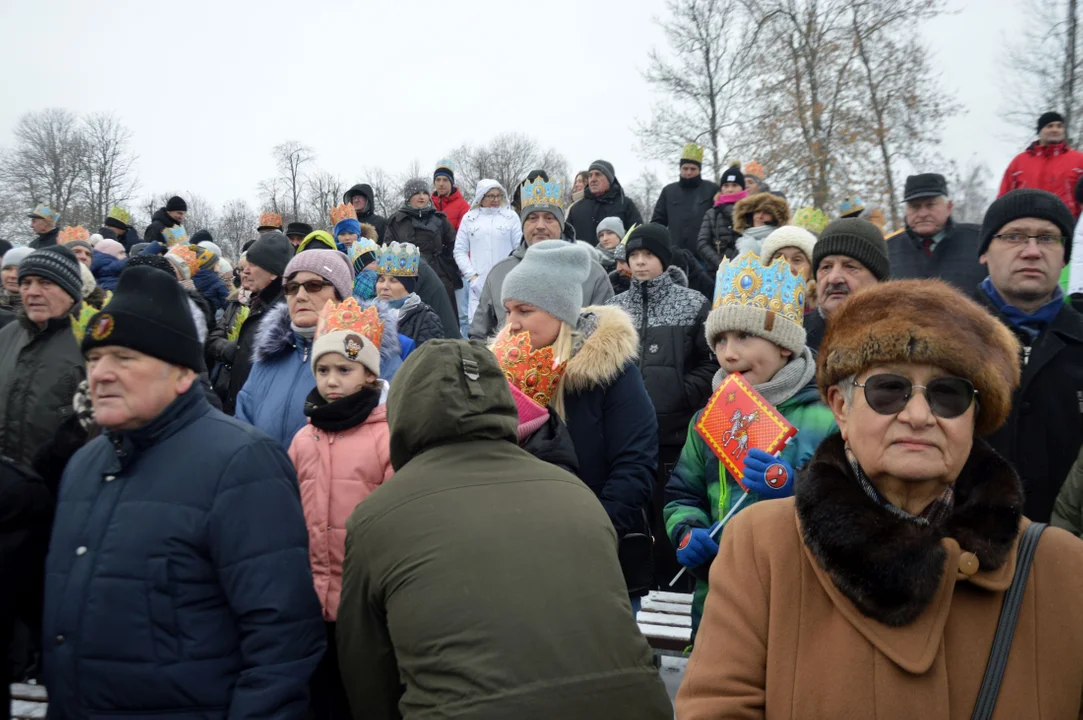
430,465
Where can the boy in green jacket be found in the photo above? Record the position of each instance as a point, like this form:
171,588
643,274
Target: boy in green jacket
755,328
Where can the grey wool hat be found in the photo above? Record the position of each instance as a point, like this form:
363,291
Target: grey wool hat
550,277
417,186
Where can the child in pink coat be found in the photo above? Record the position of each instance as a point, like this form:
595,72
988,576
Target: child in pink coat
341,456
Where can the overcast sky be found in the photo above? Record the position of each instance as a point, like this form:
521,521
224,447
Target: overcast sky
209,86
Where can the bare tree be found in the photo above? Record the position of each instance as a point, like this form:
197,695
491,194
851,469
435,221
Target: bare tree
972,189
109,177
385,197
644,192
324,192
507,158
291,159
47,162
272,196
201,214
236,226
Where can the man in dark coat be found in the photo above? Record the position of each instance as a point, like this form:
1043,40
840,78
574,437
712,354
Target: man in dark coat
119,221
604,198
165,218
363,201
165,591
43,220
933,245
1026,242
682,204
509,648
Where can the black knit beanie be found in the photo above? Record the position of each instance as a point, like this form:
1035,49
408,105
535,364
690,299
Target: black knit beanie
272,252
605,168
653,238
176,203
148,312
151,260
55,263
1027,203
1049,117
858,239
732,174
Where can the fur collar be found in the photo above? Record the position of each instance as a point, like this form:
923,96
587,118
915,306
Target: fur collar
606,350
274,335
889,567
745,209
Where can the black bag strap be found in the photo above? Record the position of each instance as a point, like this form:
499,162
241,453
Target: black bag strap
1009,614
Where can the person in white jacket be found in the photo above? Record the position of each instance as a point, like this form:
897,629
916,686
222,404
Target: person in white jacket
487,235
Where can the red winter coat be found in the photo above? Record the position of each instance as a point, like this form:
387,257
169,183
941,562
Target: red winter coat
454,206
1054,168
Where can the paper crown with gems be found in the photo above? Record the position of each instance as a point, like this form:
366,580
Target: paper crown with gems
270,219
541,192
175,235
811,219
692,152
120,214
535,373
46,212
363,246
348,316
342,212
765,301
851,206
398,260
72,233
755,168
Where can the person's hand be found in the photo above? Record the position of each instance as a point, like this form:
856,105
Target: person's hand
697,547
768,476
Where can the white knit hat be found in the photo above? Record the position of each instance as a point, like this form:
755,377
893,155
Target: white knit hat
352,345
787,236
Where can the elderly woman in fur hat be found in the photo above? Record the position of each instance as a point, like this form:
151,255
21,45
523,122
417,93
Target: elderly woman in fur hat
876,591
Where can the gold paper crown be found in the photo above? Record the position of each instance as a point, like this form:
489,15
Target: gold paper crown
348,315
175,235
270,219
812,219
541,193
745,281
342,212
755,168
537,374
692,152
188,254
119,213
73,233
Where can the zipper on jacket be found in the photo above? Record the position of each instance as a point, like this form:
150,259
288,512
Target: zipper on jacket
643,327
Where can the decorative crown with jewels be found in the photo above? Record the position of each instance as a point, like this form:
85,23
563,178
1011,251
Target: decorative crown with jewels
342,212
810,218
46,212
692,152
175,235
398,260
270,219
348,316
119,213
745,281
754,168
543,193
72,233
851,205
537,374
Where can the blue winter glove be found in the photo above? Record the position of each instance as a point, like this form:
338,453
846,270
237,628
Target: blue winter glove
768,476
697,548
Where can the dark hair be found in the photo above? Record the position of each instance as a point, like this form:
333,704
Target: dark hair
4,246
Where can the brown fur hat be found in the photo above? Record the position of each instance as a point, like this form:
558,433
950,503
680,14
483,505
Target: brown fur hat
924,322
745,209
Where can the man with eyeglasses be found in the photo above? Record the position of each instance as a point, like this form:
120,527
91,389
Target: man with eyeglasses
1026,242
933,245
1048,164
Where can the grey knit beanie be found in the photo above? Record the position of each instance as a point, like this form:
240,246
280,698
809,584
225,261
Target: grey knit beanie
14,256
550,277
855,238
613,225
55,263
605,168
417,186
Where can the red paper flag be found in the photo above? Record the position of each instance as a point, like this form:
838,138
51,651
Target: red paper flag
736,419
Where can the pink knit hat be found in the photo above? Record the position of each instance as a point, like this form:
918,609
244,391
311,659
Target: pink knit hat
111,247
331,265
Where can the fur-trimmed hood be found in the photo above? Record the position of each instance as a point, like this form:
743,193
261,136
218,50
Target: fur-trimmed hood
745,209
609,343
369,231
891,567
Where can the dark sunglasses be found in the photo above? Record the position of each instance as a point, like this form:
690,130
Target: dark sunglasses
948,397
311,286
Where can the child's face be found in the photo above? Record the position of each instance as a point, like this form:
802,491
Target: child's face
752,356
389,288
731,188
645,265
337,377
347,239
608,239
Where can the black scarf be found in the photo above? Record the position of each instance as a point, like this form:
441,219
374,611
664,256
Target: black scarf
344,413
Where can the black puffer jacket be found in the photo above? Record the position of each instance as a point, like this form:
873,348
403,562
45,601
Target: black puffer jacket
588,212
220,351
674,360
45,239
369,216
553,443
159,221
419,322
717,238
431,232
681,207
242,357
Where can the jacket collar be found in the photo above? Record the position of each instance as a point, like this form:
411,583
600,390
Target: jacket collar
879,567
177,415
1039,150
275,335
672,275
608,342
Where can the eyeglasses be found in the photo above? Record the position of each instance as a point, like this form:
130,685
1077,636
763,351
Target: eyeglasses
948,397
1021,239
311,286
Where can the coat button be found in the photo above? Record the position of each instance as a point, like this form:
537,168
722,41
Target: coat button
59,639
81,550
110,478
968,563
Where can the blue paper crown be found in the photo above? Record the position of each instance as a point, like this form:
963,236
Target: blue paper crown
46,212
745,281
851,205
398,260
541,192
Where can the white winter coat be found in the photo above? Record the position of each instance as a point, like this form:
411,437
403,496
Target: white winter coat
486,236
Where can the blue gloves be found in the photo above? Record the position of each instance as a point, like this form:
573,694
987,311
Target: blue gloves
768,476
697,548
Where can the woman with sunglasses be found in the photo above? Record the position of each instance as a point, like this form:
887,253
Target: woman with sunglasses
877,590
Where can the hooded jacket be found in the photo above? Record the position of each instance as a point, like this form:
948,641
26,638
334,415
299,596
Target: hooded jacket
430,231
369,216
418,321
591,210
336,471
211,287
486,236
454,206
717,238
159,221
674,360
681,207
46,239
830,585
480,533
1053,168
107,269
490,314
613,426
177,583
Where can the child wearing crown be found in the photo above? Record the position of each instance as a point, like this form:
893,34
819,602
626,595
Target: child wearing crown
397,266
341,456
755,329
